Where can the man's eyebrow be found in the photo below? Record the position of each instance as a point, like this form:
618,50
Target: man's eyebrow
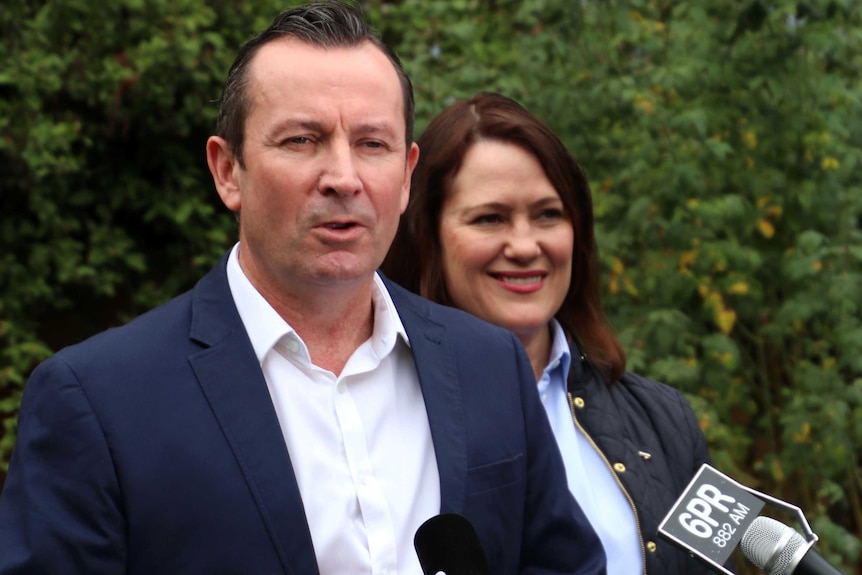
294,123
382,128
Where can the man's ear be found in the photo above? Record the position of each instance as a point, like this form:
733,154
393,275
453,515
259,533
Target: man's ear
412,159
224,168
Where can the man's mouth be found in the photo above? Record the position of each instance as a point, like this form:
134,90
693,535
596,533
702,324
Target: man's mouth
339,225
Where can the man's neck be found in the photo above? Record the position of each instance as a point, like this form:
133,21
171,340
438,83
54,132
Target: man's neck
333,322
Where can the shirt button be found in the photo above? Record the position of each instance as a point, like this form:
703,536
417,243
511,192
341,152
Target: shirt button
619,467
341,387
651,546
579,402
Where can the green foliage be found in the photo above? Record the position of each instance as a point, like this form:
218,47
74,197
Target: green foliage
108,207
723,144
722,141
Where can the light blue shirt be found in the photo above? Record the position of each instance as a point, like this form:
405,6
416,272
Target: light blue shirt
590,478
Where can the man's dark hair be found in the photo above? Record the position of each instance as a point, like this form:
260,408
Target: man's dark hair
324,23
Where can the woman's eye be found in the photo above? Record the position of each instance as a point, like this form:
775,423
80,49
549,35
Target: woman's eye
487,219
551,214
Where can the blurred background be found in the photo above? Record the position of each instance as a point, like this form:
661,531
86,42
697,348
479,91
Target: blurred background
722,139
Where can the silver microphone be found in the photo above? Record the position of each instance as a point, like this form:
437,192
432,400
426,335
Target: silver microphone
780,550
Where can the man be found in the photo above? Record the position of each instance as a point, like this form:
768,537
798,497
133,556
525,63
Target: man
294,412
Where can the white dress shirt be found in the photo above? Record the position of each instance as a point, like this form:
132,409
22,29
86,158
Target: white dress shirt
590,478
359,442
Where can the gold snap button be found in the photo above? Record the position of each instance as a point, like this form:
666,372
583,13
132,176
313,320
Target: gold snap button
579,402
619,467
651,546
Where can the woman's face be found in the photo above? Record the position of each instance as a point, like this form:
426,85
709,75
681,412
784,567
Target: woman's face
506,240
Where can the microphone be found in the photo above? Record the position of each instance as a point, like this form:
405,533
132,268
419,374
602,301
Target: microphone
448,544
715,514
780,550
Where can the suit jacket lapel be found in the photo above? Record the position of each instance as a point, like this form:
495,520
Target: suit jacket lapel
233,383
438,379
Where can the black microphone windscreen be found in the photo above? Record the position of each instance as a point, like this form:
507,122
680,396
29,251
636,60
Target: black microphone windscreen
448,543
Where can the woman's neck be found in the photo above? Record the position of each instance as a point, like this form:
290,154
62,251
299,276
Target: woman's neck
538,346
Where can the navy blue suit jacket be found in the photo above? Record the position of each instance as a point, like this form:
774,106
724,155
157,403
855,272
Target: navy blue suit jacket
154,448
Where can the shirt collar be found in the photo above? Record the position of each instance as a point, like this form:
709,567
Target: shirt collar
560,356
265,327
387,322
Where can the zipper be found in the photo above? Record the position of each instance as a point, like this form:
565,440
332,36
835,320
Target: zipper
615,476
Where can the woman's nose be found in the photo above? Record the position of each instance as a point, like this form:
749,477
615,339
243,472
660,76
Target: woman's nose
522,244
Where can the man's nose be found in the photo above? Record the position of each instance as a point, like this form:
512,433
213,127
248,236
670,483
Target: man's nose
340,175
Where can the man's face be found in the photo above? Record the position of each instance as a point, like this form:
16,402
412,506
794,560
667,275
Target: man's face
327,171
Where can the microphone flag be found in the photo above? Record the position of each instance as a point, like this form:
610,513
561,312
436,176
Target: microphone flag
711,516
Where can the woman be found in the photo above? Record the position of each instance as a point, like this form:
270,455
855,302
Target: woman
500,224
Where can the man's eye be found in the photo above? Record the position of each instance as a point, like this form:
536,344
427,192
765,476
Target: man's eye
296,141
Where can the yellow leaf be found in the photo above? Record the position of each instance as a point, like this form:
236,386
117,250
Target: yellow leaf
829,363
803,435
645,105
630,287
818,266
686,259
777,471
704,422
613,286
829,163
715,299
738,288
749,138
766,228
725,318
617,266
